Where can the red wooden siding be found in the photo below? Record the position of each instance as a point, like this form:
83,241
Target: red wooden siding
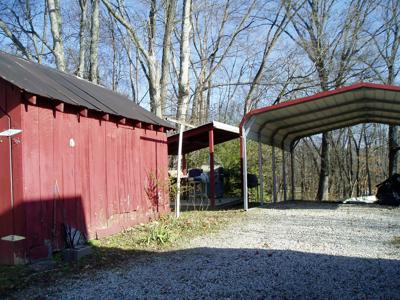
6,218
12,221
95,175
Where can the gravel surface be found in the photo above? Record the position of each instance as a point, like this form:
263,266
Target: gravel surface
297,250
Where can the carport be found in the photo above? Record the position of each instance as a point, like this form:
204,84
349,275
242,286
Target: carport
284,124
204,136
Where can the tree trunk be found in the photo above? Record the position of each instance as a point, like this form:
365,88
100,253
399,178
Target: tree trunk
198,97
132,75
367,170
393,149
183,97
94,43
154,86
390,55
350,165
303,175
207,105
82,28
358,188
169,26
323,185
55,24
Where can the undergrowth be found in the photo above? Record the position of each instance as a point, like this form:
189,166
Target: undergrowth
168,231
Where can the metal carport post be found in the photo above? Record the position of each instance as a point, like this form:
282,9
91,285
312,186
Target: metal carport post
244,132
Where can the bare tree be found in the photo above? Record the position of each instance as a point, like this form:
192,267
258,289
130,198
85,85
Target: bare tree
151,66
170,10
82,40
17,22
332,49
56,31
7,31
183,97
213,47
94,42
387,41
277,25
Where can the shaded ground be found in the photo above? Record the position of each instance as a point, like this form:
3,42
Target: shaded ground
284,251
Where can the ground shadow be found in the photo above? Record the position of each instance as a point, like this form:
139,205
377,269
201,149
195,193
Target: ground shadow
235,274
41,225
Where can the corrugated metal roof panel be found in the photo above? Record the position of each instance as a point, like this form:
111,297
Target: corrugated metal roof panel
347,106
53,84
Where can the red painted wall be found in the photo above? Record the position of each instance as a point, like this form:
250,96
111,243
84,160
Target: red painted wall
12,218
98,176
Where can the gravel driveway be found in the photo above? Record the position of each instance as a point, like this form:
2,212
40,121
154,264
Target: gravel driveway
297,250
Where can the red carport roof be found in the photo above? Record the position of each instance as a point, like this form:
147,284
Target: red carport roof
282,124
197,138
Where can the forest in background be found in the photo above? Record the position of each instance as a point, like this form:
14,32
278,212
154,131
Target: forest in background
202,60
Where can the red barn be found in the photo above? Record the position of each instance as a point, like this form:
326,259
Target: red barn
75,153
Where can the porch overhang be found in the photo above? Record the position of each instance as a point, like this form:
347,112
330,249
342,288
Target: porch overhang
198,138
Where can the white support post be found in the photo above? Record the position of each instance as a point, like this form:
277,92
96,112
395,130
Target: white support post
245,131
274,196
178,176
260,171
284,175
292,183
245,190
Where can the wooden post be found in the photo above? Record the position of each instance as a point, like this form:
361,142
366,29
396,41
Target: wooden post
178,176
212,175
273,175
184,169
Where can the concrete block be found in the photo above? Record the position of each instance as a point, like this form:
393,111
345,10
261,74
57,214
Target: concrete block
73,255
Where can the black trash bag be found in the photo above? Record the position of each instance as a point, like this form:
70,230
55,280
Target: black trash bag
388,191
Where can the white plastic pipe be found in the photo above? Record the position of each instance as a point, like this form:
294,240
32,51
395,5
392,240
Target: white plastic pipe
245,190
178,176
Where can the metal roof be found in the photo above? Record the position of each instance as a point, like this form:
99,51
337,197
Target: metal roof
282,124
56,85
197,138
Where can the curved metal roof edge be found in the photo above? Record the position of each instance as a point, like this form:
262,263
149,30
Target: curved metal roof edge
317,96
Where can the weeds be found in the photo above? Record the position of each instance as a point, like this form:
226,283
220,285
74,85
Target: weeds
10,277
168,231
396,241
157,233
